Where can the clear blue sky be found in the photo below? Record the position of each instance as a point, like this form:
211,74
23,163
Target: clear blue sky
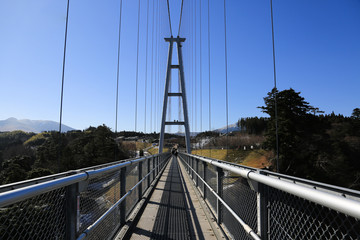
317,53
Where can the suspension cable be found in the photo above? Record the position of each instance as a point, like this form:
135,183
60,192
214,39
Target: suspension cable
63,66
169,17
209,68
195,65
181,12
146,61
137,66
62,81
152,67
276,111
118,70
226,80
200,77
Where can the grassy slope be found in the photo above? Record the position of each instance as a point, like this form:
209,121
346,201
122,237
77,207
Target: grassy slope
252,158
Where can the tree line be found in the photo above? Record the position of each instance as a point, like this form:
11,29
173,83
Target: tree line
312,145
28,155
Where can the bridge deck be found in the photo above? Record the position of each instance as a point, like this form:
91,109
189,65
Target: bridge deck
174,211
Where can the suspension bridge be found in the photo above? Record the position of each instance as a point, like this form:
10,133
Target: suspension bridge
175,195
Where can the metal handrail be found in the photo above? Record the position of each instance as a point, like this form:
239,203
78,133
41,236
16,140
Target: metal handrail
113,207
246,227
16,195
344,205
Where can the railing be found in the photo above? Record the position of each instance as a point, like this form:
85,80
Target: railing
255,204
90,203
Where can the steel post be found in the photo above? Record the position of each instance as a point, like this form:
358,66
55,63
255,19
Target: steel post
140,188
263,210
219,191
204,177
71,209
148,170
122,193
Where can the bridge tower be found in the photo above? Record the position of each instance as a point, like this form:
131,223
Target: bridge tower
181,94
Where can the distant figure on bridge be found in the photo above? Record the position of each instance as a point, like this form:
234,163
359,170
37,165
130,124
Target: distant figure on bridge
174,150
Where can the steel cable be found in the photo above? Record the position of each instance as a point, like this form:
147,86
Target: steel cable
226,80
118,70
137,66
63,80
169,17
275,87
209,68
146,61
181,12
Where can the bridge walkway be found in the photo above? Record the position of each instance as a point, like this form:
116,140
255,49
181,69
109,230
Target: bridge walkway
174,211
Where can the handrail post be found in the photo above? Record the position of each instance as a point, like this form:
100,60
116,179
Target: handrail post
219,191
122,193
153,168
197,171
192,168
263,210
71,208
140,177
148,170
204,176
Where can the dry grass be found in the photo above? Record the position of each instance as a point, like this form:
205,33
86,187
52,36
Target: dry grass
254,158
258,159
155,150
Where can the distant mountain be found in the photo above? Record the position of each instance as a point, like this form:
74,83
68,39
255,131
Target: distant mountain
232,128
26,125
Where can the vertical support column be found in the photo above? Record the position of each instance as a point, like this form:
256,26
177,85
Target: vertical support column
263,210
122,193
167,83
72,193
204,176
140,188
183,91
219,191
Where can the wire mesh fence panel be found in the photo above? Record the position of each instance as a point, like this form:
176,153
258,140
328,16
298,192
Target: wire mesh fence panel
211,180
40,217
101,193
292,217
106,228
243,201
131,180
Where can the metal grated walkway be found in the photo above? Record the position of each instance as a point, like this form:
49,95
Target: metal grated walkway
172,219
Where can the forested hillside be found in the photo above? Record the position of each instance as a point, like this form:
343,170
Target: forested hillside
28,155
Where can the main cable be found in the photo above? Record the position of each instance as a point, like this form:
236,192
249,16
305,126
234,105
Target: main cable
226,80
169,17
181,11
276,111
118,70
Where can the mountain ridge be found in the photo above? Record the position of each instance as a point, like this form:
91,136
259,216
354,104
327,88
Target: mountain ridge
27,125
